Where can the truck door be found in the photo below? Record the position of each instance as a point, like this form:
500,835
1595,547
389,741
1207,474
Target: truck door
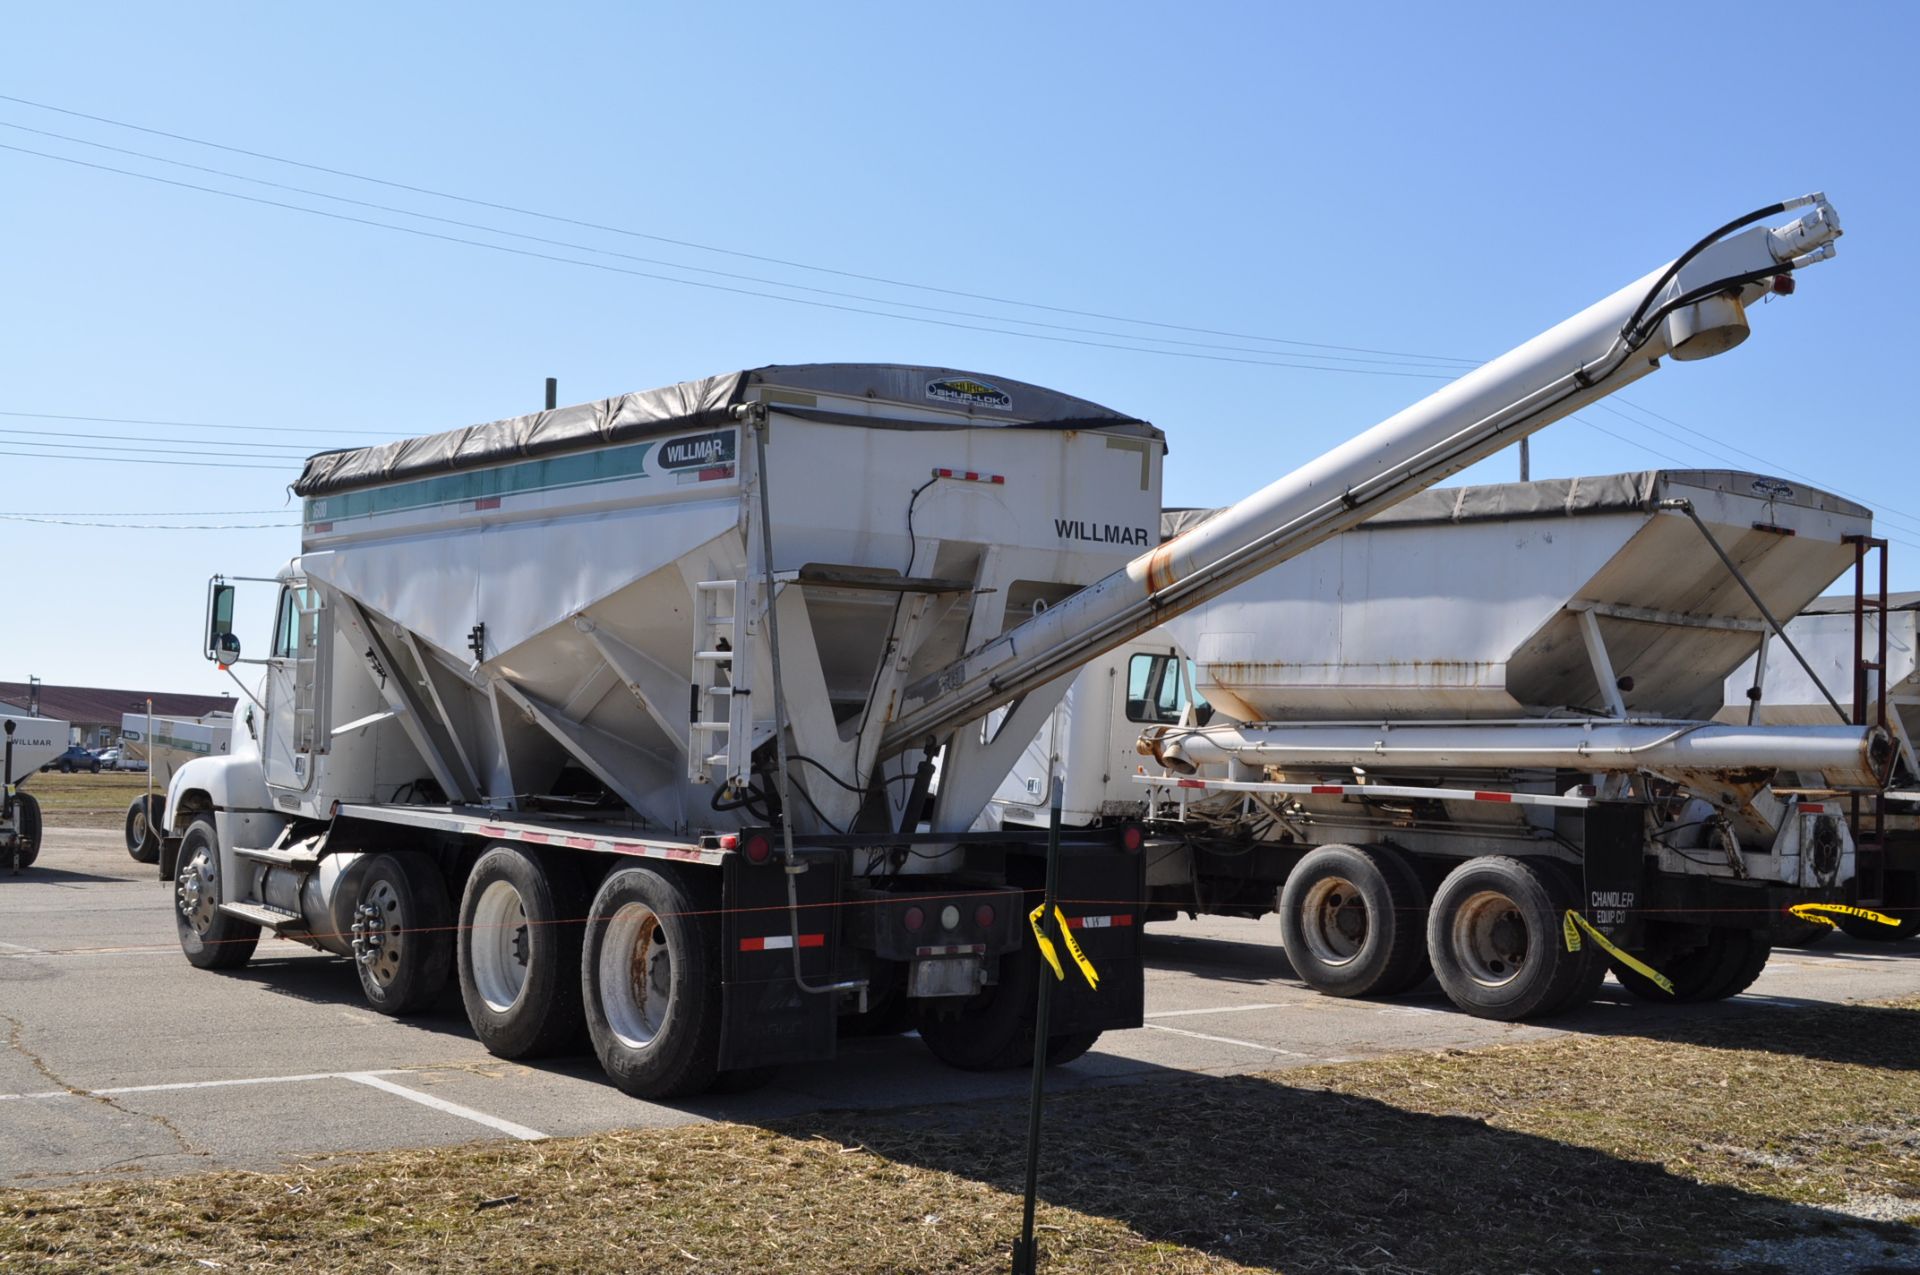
295,689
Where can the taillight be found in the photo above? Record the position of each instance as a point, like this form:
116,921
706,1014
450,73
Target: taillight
913,919
983,916
1133,836
758,847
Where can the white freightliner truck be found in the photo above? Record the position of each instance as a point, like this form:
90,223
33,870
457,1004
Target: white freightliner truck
27,743
1861,653
681,662
1423,741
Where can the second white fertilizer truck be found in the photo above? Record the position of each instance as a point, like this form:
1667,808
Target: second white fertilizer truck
626,715
1425,741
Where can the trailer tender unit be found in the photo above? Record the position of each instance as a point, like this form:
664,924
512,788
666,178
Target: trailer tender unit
682,663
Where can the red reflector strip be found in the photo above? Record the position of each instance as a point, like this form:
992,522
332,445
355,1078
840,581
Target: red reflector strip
970,476
1493,796
716,471
1332,790
321,526
1117,920
487,502
1812,808
1193,783
779,942
952,949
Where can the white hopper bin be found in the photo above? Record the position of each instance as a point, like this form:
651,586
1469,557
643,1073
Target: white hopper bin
553,608
1469,602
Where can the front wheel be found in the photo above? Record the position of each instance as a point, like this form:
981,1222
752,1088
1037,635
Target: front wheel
27,827
402,934
521,918
211,939
1494,935
143,843
650,982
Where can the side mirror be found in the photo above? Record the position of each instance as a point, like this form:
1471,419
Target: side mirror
220,622
228,645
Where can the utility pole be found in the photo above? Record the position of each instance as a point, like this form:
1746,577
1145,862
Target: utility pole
553,392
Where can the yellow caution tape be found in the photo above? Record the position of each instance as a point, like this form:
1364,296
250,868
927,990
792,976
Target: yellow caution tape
1575,923
1812,912
1073,948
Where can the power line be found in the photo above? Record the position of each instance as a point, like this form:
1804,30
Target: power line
700,247
715,287
153,438
138,420
129,460
1885,511
1425,361
150,526
146,451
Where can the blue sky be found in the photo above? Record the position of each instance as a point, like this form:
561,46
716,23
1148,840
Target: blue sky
1426,180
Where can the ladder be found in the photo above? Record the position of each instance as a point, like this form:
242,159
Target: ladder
720,715
1869,813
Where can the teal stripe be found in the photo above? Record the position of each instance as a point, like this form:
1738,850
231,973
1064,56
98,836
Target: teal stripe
578,469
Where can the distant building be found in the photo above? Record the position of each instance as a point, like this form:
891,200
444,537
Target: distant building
94,712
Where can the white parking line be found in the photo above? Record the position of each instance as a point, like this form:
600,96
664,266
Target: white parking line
1227,1040
1223,1009
507,1127
199,1084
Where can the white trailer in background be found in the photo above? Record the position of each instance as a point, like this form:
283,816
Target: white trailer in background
164,744
1839,637
1428,738
26,744
681,663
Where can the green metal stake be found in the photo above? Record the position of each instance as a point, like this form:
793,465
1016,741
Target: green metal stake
1025,1256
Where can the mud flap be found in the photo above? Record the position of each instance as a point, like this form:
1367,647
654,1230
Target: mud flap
1102,893
1615,869
766,1018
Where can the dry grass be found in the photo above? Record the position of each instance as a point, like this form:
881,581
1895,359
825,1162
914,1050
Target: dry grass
1628,1155
87,800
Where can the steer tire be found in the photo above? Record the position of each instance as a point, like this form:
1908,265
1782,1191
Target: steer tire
659,1036
518,953
1724,965
28,825
403,934
1859,927
1353,921
211,939
1495,938
143,817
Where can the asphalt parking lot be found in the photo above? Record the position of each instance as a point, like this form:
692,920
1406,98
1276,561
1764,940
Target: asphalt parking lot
121,1057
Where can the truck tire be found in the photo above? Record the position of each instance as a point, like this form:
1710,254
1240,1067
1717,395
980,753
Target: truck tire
993,1030
650,981
1494,936
1353,920
29,827
402,933
1858,927
1725,965
211,939
521,918
143,816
